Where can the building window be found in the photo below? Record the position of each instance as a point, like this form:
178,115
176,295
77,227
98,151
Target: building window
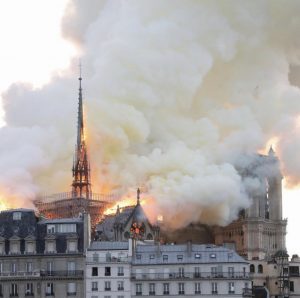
50,229
252,268
166,288
151,257
291,286
197,288
14,290
2,247
212,256
231,271
151,289
138,289
71,268
1,290
49,268
107,271
120,271
179,257
49,289
94,271
71,288
30,247
214,288
107,296
72,245
120,285
165,258
50,246
214,271
231,287
13,268
138,257
181,272
29,267
29,289
260,269
181,288
17,215
197,256
94,286
95,257
294,270
15,247
120,296
197,272
107,286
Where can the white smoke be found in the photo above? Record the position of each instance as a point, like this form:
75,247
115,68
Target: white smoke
175,92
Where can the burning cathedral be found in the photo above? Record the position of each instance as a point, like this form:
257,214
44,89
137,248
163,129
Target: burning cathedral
257,234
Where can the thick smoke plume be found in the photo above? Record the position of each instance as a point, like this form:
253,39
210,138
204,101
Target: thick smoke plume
176,92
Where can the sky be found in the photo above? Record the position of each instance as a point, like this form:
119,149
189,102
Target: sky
34,53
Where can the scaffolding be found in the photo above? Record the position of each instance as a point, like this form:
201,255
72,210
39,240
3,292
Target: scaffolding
63,205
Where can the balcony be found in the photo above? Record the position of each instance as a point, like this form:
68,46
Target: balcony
188,275
62,273
107,260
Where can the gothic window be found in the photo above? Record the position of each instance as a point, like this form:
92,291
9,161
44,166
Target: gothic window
137,230
149,236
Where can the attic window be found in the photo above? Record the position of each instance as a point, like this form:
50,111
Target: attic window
230,255
138,257
179,257
17,215
212,256
197,256
165,257
151,257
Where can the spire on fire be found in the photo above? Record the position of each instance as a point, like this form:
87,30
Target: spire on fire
81,185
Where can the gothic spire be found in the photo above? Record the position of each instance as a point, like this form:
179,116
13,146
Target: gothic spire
81,185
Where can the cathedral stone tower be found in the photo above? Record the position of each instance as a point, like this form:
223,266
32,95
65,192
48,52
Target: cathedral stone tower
260,231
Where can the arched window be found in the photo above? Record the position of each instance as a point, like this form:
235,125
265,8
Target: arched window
126,235
252,268
149,237
260,268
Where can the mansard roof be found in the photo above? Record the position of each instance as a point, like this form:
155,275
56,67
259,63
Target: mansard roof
109,245
189,253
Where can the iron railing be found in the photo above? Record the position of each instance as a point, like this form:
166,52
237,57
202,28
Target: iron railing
108,260
189,275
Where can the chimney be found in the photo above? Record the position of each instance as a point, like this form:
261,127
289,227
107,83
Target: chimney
86,230
189,248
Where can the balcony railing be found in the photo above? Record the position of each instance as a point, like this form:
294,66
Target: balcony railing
20,274
188,275
108,260
62,273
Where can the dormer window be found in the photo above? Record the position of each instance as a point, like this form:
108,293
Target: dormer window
212,256
197,256
14,245
17,215
50,229
179,257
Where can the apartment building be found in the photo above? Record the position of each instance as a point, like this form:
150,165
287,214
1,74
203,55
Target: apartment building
42,258
152,270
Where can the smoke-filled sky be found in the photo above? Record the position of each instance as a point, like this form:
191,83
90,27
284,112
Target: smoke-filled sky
176,93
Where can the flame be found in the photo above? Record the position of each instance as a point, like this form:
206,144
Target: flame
271,142
126,201
4,205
